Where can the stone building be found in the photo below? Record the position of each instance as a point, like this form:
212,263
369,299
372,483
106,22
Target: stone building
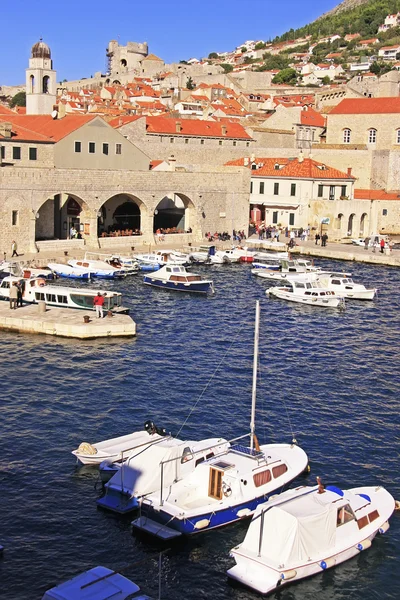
125,59
41,83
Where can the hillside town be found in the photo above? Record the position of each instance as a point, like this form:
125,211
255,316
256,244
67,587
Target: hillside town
211,144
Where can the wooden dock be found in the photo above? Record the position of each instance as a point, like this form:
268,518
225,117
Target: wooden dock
64,322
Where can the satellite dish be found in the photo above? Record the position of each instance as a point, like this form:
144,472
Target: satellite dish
54,114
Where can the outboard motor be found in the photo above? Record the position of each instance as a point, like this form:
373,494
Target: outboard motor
152,428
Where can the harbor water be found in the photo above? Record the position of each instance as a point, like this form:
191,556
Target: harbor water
330,378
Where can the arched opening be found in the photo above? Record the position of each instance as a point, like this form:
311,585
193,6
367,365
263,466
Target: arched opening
346,135
123,63
116,82
364,224
46,81
172,214
32,84
350,225
339,221
59,218
120,215
107,82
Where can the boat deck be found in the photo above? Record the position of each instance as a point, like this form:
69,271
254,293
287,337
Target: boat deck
64,322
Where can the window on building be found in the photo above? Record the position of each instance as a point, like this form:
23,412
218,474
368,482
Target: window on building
186,140
118,148
346,136
343,190
371,136
105,149
14,217
276,189
247,144
291,218
331,192
202,142
220,142
398,136
2,151
384,212
78,146
32,153
293,189
261,187
251,187
320,191
234,143
275,217
171,140
92,147
16,153
253,167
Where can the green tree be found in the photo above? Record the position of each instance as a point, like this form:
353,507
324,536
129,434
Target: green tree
227,67
243,49
18,100
285,76
326,80
259,46
213,55
375,68
190,84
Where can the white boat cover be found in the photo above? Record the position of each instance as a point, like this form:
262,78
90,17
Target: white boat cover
294,532
141,474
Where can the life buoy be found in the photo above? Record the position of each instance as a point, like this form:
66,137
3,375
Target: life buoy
41,282
226,489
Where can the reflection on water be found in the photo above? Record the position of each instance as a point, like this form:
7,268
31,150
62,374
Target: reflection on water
329,378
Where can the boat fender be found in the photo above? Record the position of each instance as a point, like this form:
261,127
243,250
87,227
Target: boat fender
364,545
202,524
288,574
243,512
397,505
327,564
226,489
384,528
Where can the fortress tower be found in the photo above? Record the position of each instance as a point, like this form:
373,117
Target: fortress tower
40,81
124,59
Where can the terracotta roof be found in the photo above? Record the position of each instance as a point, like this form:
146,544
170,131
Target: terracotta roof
43,128
361,194
155,163
307,169
367,106
195,127
153,57
390,47
4,110
312,117
123,120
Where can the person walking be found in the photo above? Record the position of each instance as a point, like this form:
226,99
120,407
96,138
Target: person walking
20,289
366,243
324,239
13,295
382,245
14,248
98,302
317,238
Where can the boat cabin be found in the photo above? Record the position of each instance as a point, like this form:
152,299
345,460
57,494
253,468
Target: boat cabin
180,274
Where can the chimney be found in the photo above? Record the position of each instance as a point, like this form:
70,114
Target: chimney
349,171
301,157
223,129
178,127
61,110
246,161
172,162
5,129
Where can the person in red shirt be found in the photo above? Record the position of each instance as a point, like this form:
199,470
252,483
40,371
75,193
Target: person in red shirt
98,302
382,244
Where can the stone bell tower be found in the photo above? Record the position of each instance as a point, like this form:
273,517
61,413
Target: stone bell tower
40,81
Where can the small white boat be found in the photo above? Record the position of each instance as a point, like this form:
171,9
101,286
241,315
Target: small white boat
125,264
97,268
115,448
289,269
307,530
98,583
343,285
176,278
305,291
37,290
163,257
68,272
207,255
228,256
27,272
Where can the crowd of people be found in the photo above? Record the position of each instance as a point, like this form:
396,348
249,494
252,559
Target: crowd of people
237,236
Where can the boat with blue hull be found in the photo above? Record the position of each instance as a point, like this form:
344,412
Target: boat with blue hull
178,279
225,488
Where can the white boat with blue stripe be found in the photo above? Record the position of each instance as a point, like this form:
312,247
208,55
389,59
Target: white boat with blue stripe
178,279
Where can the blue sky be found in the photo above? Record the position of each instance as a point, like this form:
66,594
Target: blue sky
78,32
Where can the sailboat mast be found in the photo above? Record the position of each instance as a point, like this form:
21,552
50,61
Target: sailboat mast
255,364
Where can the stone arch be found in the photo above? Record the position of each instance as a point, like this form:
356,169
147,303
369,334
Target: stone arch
121,213
56,216
339,222
31,84
174,211
45,84
351,225
116,82
364,224
123,63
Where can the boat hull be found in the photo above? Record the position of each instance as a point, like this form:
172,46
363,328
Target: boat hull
282,294
196,287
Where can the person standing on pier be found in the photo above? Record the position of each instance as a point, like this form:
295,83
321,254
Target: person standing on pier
382,244
20,288
324,239
13,295
366,243
98,302
317,238
14,248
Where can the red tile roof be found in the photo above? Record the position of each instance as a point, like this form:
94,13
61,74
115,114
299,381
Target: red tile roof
123,120
367,106
293,168
361,194
312,117
4,110
43,128
195,127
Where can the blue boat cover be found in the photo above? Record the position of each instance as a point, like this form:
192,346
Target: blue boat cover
336,490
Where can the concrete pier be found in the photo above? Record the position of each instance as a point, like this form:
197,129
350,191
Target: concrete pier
64,322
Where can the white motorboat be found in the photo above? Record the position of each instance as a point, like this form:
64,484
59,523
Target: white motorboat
117,448
68,272
289,269
97,268
37,290
99,583
225,488
139,474
229,256
207,255
24,270
307,530
163,257
304,291
343,285
177,279
125,264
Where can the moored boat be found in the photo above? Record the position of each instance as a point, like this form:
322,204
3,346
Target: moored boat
343,285
178,279
307,530
68,272
304,291
97,268
163,257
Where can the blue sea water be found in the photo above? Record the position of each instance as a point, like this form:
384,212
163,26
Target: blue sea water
331,378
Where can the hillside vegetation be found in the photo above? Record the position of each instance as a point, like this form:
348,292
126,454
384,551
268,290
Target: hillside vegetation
364,19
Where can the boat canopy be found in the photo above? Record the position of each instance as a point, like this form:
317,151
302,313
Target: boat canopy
294,532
